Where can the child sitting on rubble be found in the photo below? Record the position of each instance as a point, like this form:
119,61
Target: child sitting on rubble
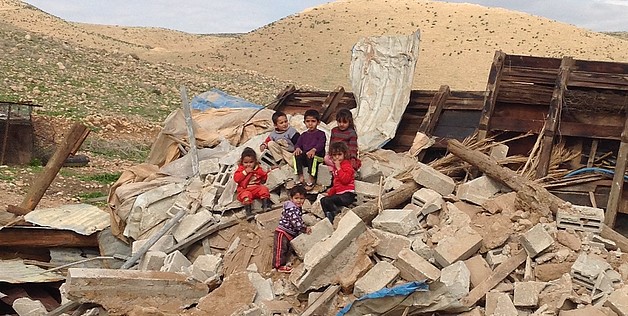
345,132
342,191
309,149
290,225
250,178
281,141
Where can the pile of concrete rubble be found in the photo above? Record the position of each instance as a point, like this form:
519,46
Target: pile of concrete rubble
478,247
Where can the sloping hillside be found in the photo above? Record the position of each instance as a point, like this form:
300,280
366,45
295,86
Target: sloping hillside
458,41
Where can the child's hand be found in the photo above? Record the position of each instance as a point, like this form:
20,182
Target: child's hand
297,151
248,169
337,164
262,147
310,154
308,230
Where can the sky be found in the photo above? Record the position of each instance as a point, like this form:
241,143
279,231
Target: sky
241,16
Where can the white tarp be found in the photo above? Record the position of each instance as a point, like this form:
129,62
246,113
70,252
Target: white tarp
382,70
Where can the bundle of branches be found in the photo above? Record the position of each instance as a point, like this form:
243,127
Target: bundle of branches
560,155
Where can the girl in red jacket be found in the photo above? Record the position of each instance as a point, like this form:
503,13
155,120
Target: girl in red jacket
342,191
250,178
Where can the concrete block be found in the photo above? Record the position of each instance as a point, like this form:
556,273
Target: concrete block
618,301
535,240
457,278
210,265
428,200
478,190
463,244
264,288
191,223
587,268
304,242
324,177
422,249
499,304
382,274
370,171
24,306
175,262
582,218
527,293
269,220
152,261
224,174
433,179
367,189
322,253
495,257
401,222
413,267
267,161
390,244
208,166
279,176
391,183
499,152
479,269
163,243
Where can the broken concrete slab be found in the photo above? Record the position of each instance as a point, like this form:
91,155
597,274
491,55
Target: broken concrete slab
304,242
479,269
570,240
463,244
587,268
478,190
428,200
618,301
233,296
527,293
413,267
499,303
191,223
433,179
535,240
390,244
263,287
504,203
152,261
367,189
119,290
457,278
382,274
25,306
162,244
269,220
175,262
585,311
400,222
210,265
275,307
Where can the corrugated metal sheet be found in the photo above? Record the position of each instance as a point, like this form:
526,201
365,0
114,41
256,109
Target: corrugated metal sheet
16,271
84,219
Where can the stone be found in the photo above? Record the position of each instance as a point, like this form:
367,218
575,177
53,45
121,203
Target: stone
585,311
499,152
457,278
618,301
210,265
474,312
431,178
422,249
390,244
413,267
570,240
479,269
264,288
495,257
367,189
324,177
269,220
428,200
527,293
382,274
535,240
304,242
551,271
391,183
278,177
504,203
463,244
401,222
152,261
24,306
478,190
499,303
276,307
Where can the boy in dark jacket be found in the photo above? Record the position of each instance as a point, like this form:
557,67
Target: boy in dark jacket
290,225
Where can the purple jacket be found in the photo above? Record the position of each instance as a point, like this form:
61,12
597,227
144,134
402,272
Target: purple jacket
291,219
312,139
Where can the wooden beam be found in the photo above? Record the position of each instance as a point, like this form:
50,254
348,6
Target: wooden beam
331,103
553,117
277,104
329,293
76,135
500,273
35,237
492,89
369,210
617,187
434,110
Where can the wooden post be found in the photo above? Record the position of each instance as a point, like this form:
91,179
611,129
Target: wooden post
553,117
281,97
6,135
434,110
187,113
617,186
76,135
331,103
369,210
492,88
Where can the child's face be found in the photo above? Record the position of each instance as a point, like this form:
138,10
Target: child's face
248,162
282,124
338,156
298,199
343,125
310,123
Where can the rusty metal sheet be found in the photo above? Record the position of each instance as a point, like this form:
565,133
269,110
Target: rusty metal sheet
83,219
16,272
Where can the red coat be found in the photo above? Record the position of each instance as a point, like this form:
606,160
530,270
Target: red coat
344,179
244,179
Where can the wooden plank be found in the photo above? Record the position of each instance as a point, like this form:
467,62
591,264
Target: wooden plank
492,89
619,239
281,97
617,186
601,67
531,61
553,117
433,113
499,274
331,103
36,237
75,136
329,293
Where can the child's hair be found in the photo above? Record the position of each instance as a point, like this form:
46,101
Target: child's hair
312,113
297,189
277,115
248,152
339,147
344,115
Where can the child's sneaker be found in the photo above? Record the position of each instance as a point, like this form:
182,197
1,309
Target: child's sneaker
284,269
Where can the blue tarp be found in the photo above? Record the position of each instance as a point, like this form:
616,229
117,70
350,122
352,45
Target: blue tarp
217,99
399,290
